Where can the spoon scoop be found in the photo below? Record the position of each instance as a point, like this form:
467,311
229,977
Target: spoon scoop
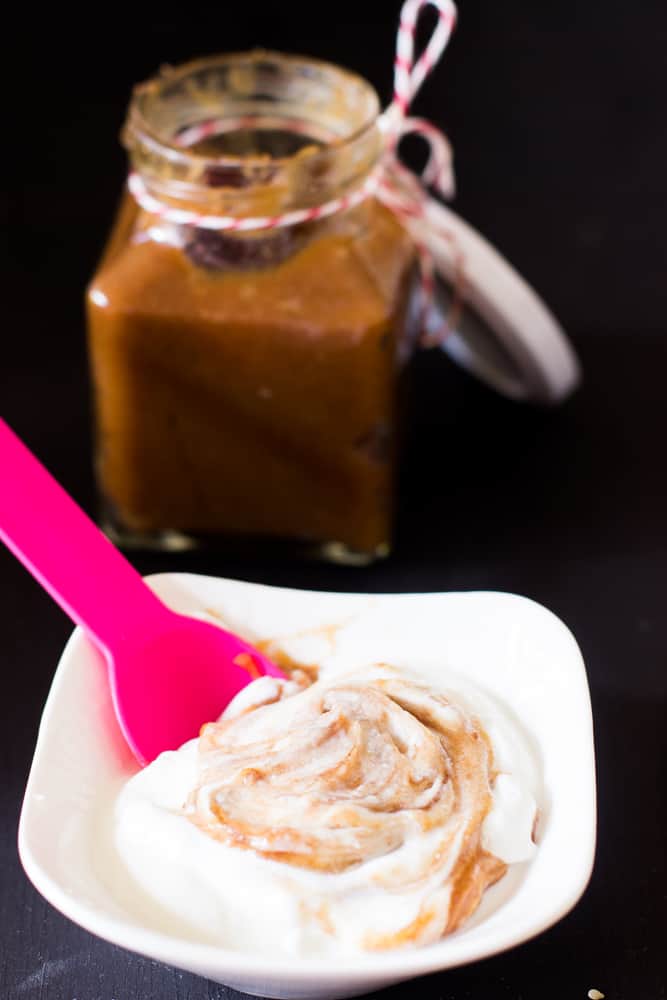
169,674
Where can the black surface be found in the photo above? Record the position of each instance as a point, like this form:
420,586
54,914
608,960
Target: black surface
556,115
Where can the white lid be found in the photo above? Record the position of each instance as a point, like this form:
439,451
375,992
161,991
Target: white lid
506,335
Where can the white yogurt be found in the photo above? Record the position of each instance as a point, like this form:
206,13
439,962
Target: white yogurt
244,900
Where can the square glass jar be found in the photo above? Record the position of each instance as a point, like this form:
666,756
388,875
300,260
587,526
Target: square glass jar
247,384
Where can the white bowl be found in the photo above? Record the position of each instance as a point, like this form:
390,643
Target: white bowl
513,648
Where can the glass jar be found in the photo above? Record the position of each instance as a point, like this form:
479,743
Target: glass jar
246,385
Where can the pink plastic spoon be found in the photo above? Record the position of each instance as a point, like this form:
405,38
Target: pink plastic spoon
168,673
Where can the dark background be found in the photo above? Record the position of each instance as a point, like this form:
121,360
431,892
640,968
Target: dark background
557,115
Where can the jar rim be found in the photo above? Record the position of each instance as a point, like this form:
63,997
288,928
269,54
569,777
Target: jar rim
138,127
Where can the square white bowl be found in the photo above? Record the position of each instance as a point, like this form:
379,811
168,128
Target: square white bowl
509,646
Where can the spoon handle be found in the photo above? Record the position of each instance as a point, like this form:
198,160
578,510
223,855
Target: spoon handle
67,553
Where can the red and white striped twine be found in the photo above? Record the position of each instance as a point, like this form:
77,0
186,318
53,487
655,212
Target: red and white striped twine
390,182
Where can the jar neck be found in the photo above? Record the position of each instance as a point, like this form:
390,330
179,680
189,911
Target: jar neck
253,134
